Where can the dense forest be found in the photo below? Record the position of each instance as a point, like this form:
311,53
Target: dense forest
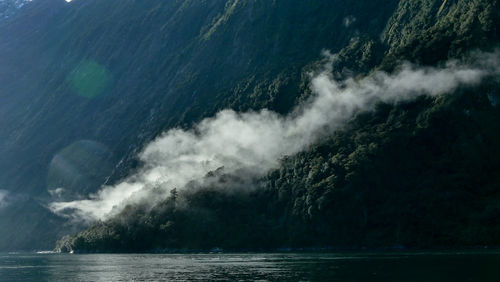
421,174
416,174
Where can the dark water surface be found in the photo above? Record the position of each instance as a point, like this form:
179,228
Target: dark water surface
443,266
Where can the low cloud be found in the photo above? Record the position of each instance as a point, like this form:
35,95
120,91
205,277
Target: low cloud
3,198
256,141
348,21
57,193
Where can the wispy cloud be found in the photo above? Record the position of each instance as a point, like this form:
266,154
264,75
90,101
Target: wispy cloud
348,21
3,198
256,141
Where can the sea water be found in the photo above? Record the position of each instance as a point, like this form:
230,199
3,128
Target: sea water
366,266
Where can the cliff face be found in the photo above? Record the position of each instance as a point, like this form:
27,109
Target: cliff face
85,85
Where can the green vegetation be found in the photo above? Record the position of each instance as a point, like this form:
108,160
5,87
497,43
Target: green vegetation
443,192
419,174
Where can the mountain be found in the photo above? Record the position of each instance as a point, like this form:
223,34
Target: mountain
86,85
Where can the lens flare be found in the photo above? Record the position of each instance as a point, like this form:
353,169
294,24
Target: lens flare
89,79
79,168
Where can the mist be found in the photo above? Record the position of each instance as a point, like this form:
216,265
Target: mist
256,141
3,197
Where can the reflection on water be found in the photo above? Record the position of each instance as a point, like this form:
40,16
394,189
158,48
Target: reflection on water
469,266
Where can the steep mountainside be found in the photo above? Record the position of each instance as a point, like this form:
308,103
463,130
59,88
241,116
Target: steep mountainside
85,85
166,63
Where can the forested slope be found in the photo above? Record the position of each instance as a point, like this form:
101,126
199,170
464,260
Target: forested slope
91,82
421,174
118,73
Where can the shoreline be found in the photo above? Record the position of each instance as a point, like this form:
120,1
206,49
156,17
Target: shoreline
325,250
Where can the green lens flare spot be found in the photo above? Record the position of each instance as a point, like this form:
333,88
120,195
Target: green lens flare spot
89,79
